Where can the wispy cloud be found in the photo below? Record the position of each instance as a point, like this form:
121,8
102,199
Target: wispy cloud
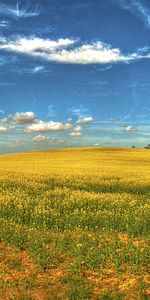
38,69
7,60
31,70
136,7
79,112
103,69
51,111
51,140
70,51
22,9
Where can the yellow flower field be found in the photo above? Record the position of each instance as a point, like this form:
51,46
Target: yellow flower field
74,224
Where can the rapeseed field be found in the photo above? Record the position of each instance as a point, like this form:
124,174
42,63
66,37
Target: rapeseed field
74,224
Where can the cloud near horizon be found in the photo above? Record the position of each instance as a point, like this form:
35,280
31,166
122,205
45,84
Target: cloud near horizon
130,128
40,138
85,120
5,129
77,133
69,50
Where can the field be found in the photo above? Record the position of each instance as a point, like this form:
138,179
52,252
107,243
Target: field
74,224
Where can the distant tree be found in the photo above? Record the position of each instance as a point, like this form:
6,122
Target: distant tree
133,146
147,147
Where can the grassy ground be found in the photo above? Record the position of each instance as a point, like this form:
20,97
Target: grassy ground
74,224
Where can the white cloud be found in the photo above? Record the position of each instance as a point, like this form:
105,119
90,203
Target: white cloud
89,53
52,140
2,128
4,120
4,23
60,51
130,128
40,138
38,69
5,129
85,120
77,129
75,133
69,119
42,126
35,46
23,117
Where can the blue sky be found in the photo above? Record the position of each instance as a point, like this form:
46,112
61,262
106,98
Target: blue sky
74,73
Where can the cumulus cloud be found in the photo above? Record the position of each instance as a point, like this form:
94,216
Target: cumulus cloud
42,126
77,133
69,50
2,128
4,120
77,129
40,138
85,120
5,129
24,117
89,53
